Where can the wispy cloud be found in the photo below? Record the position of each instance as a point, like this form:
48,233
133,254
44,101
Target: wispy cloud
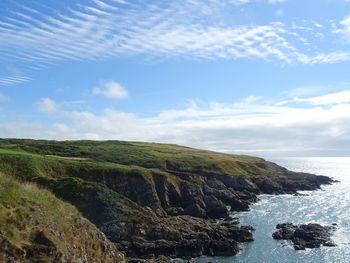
47,105
345,23
98,31
111,90
186,28
13,80
329,99
102,29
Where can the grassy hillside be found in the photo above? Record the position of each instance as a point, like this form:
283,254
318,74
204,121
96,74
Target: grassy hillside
148,155
37,227
152,199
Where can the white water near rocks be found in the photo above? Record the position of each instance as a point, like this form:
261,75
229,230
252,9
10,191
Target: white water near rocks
329,205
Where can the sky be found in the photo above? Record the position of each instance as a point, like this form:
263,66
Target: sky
257,77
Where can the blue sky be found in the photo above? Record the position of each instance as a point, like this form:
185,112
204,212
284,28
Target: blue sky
263,77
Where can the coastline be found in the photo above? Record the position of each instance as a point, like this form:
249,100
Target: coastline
162,202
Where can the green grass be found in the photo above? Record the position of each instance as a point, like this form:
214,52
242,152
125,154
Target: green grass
148,155
78,181
23,207
100,172
27,211
27,165
107,181
14,152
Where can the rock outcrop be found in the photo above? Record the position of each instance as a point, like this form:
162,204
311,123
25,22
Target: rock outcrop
187,237
305,235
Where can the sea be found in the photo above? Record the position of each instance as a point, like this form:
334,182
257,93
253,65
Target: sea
326,206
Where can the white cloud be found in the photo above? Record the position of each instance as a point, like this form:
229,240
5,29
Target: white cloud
78,37
328,99
253,126
346,23
47,105
186,28
326,58
111,90
33,130
241,127
13,80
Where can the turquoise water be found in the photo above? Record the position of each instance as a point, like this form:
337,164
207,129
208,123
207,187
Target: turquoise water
329,205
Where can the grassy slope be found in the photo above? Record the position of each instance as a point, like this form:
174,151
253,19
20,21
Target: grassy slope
61,175
114,183
112,162
37,227
148,155
118,166
85,172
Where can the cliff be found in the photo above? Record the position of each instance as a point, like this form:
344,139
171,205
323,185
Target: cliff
37,227
153,199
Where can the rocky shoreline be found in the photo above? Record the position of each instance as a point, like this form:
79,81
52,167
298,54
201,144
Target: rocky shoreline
305,235
192,237
197,233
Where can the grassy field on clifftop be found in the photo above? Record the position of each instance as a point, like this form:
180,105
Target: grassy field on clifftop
147,155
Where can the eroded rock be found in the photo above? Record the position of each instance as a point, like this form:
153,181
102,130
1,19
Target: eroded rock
305,235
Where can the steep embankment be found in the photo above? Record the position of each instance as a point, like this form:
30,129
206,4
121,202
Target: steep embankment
37,227
153,199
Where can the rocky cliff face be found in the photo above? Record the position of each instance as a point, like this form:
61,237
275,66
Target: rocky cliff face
37,227
152,199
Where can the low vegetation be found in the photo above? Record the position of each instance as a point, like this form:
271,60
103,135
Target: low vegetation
148,155
149,199
37,227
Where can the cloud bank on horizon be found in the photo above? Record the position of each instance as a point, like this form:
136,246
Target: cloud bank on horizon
69,36
320,126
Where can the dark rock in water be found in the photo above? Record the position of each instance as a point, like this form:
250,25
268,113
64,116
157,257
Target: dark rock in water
305,235
231,220
239,205
300,194
186,237
228,218
160,259
223,248
249,228
290,183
